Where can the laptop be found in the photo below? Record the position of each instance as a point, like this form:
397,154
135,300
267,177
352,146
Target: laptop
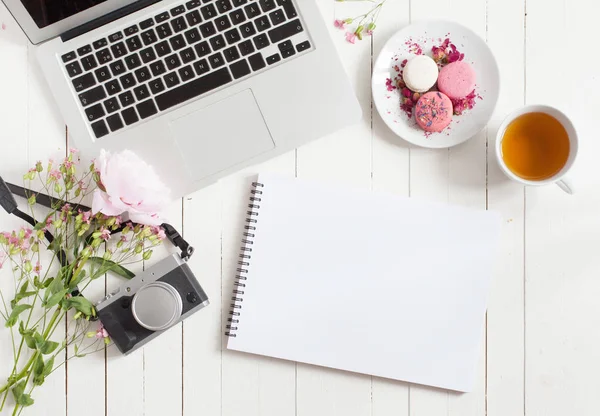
198,88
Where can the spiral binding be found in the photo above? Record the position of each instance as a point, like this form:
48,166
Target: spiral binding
245,257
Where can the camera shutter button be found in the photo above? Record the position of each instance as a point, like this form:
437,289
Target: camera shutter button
192,297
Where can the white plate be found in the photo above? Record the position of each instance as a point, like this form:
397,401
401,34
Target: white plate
427,34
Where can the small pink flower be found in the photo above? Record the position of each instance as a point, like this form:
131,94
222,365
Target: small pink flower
24,245
101,332
105,233
55,174
369,32
159,232
68,164
118,220
86,216
351,37
38,268
73,151
340,24
27,231
123,238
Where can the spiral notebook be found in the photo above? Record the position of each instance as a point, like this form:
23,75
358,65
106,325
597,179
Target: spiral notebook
364,282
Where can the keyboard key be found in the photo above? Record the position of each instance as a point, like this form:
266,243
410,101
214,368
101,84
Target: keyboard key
231,54
192,36
257,62
178,24
162,48
102,74
164,30
69,56
187,55
193,89
246,47
177,42
94,112
126,99
84,50
112,105
133,61
238,3
232,36
288,53
141,93
115,37
240,69
285,31
162,17
216,60
267,5
127,81
73,69
84,82
277,17
223,6
285,45
134,43
202,49
237,17
261,41
273,59
252,10
186,73
217,42
99,128
158,68
118,49
114,122
208,29
147,108
145,24
201,66
193,18
142,75
89,62
129,116
117,67
176,11
149,37
288,7
156,86
104,56
89,97
222,23
131,30
262,23
173,61
192,4
113,87
209,12
301,47
171,79
100,43
148,55
247,30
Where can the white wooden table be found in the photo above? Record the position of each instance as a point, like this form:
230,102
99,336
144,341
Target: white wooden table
540,355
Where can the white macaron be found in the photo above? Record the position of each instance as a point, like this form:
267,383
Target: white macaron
420,73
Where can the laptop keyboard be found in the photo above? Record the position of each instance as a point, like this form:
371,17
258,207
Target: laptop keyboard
178,55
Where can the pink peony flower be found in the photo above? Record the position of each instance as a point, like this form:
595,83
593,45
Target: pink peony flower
340,24
129,185
351,37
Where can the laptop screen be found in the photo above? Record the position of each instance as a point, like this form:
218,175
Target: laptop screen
47,12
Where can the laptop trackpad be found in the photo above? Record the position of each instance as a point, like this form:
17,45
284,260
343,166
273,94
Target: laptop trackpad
222,135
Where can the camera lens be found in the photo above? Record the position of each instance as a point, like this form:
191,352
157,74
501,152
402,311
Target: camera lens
157,306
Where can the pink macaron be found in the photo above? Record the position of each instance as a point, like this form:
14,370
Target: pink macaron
457,79
433,111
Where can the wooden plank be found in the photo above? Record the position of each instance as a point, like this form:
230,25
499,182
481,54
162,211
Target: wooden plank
561,308
252,385
505,325
391,173
202,332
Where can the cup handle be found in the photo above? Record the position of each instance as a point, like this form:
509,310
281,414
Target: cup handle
566,184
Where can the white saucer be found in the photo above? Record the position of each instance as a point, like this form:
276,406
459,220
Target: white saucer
428,34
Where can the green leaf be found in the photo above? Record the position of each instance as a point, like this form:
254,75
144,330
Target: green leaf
30,342
109,265
24,287
14,315
38,226
48,347
56,298
38,371
77,280
38,340
48,367
25,400
24,331
57,284
18,390
81,304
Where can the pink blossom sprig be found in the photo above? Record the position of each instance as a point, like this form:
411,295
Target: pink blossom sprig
365,22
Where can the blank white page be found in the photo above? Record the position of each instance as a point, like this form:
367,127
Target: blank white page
370,283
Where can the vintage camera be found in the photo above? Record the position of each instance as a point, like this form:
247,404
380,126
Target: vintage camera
151,303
